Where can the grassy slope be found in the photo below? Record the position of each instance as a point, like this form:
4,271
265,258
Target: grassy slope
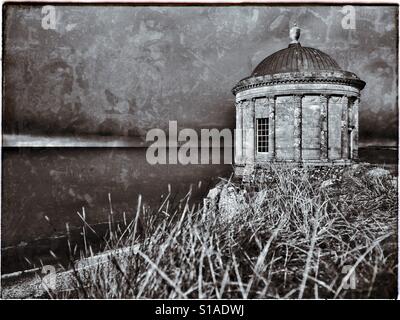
286,237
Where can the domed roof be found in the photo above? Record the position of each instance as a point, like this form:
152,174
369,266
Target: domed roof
297,64
295,58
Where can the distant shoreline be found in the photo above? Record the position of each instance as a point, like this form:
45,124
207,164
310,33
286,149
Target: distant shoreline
25,140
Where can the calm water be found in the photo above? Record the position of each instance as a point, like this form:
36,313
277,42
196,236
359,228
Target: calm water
58,182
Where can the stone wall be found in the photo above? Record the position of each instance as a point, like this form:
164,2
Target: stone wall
248,131
334,128
311,127
284,128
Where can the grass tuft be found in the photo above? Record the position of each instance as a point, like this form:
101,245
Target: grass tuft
285,233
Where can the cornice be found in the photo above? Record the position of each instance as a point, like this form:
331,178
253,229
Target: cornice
255,82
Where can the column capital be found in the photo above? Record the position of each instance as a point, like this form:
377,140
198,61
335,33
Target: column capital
271,99
323,98
245,103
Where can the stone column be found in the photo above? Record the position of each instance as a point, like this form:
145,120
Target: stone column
345,128
324,128
297,127
355,130
250,132
271,142
239,133
350,127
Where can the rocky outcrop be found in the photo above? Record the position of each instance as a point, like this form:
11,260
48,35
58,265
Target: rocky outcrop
377,173
226,200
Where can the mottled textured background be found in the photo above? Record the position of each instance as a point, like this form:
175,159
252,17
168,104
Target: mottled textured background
113,70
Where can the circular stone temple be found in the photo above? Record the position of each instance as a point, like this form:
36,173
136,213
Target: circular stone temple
298,106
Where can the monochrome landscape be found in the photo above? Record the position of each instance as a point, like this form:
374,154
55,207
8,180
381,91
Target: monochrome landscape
199,152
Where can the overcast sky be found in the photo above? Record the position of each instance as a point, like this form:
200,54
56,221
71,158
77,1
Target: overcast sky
124,70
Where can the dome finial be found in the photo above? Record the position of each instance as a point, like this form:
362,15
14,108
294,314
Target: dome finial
294,33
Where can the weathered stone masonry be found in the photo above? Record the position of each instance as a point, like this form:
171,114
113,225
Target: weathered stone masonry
311,106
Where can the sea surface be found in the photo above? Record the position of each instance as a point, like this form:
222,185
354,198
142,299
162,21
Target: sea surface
44,188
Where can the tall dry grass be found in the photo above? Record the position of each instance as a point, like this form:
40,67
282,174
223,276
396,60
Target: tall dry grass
295,233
